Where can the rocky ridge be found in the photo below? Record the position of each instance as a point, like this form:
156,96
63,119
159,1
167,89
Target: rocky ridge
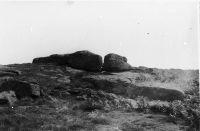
125,81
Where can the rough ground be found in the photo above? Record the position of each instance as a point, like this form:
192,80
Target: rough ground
76,100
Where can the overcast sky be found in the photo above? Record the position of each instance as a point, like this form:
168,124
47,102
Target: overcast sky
152,33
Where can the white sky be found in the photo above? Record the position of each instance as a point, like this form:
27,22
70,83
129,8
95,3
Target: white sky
152,33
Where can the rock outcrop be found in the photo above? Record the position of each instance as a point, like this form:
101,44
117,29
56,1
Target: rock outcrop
115,63
141,81
119,85
84,60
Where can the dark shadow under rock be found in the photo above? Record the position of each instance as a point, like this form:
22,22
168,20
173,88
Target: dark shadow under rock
21,89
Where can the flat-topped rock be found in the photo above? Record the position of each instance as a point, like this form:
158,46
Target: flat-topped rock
121,85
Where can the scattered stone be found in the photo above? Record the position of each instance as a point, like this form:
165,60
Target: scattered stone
21,89
115,63
8,97
35,89
5,78
8,71
107,128
64,80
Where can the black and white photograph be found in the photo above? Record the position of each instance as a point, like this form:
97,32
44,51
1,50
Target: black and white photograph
99,65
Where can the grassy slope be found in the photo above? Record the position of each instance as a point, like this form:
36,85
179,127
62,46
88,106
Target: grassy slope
64,111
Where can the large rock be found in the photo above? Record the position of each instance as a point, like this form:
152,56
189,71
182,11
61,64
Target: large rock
21,89
54,59
115,63
85,60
